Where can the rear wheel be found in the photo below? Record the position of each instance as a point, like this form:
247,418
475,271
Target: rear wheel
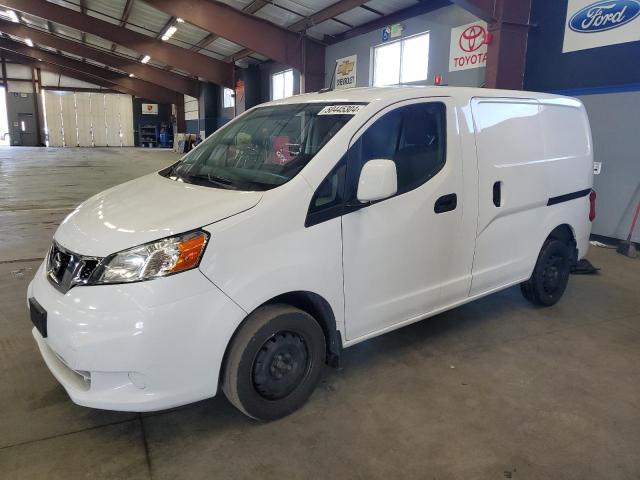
550,275
274,362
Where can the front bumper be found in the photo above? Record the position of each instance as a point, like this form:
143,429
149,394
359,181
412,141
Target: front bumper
136,347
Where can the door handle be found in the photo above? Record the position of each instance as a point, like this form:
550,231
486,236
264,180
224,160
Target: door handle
497,194
446,203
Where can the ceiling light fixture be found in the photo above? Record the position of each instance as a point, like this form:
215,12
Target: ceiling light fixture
179,20
28,42
145,59
13,16
131,75
169,33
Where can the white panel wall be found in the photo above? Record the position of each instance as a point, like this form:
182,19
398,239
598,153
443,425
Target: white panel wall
83,112
15,70
113,120
68,110
53,118
19,87
125,108
50,79
98,118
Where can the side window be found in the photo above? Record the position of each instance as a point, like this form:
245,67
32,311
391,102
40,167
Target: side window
414,137
327,201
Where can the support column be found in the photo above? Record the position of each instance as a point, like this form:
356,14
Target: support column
209,107
506,55
181,123
36,106
312,77
4,70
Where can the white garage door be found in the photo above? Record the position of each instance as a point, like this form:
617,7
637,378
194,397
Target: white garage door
53,118
69,126
83,117
89,119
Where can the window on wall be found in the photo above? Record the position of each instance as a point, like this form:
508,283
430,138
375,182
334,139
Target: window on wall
402,61
228,99
282,85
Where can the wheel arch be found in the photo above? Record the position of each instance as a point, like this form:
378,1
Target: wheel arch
316,306
565,233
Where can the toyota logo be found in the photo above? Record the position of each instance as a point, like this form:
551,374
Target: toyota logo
472,38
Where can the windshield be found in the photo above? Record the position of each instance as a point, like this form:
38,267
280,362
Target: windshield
264,149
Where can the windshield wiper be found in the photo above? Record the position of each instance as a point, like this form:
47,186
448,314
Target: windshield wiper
221,181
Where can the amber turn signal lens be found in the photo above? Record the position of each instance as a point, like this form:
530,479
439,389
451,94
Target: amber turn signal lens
190,252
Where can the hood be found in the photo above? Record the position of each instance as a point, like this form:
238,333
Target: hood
146,209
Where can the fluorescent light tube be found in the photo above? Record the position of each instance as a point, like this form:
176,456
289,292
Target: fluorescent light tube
169,33
13,16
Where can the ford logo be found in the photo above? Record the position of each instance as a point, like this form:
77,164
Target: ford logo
604,15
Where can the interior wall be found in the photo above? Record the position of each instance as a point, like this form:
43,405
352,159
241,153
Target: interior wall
161,120
607,80
438,23
21,115
614,125
548,69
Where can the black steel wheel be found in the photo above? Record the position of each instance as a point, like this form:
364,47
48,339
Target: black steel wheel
550,275
280,365
274,362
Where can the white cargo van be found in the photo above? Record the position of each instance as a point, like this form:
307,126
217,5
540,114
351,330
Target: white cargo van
305,226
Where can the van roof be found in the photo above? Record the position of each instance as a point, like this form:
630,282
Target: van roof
399,93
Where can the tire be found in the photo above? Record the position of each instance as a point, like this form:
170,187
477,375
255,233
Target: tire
274,362
550,275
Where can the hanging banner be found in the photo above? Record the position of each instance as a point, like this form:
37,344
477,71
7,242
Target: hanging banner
345,75
468,47
609,22
150,109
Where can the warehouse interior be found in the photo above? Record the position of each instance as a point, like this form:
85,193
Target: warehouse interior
99,92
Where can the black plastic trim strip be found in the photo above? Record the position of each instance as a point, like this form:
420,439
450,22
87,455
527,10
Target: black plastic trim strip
568,197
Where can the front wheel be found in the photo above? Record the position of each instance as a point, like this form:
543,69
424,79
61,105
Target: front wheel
550,275
274,362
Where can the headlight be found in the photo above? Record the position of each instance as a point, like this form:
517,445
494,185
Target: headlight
152,260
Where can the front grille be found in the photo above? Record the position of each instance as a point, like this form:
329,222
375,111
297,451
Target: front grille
66,269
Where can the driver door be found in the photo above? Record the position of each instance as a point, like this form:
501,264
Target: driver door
396,251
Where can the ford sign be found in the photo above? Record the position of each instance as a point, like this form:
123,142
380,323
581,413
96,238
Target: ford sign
604,15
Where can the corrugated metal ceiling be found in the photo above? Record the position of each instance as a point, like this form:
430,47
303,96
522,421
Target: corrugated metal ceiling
145,19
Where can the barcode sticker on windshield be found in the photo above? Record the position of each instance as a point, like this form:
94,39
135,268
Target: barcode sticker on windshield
341,110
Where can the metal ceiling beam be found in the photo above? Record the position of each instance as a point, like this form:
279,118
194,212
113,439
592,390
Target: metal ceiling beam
254,6
126,12
239,27
133,85
151,74
245,52
14,57
208,68
328,13
483,9
204,42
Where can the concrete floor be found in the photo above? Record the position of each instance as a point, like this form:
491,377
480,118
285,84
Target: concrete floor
495,389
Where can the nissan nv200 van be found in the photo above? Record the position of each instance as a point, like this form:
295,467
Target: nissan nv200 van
305,226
